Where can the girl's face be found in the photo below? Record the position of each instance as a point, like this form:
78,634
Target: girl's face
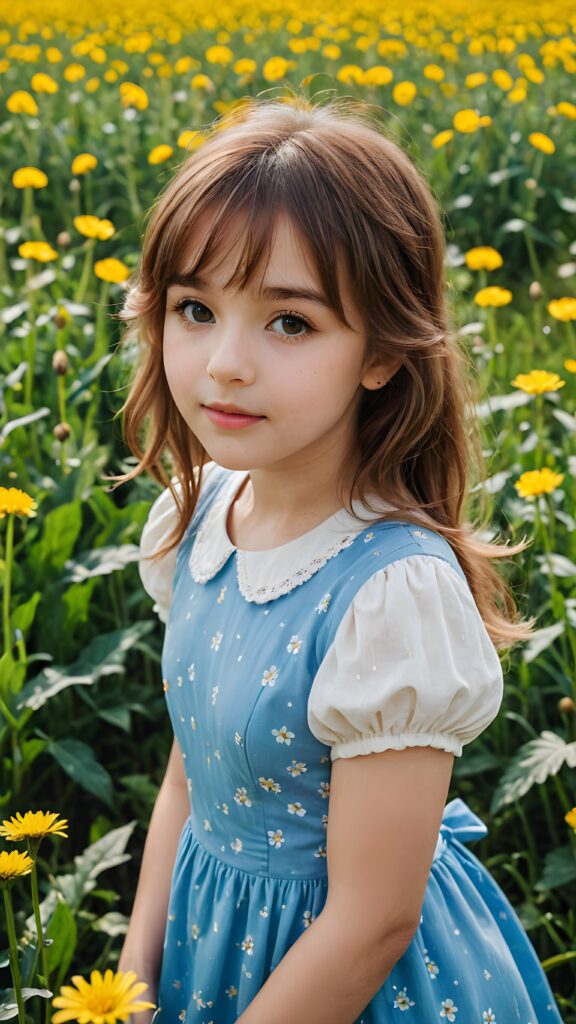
283,359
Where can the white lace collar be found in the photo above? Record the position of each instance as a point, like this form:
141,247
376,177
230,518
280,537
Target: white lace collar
266,575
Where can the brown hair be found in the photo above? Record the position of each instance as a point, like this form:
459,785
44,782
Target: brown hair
352,192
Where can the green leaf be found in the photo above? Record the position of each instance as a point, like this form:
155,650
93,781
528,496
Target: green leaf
23,421
85,378
12,675
9,1008
105,853
101,562
63,932
559,869
541,639
61,528
78,761
103,656
23,614
534,762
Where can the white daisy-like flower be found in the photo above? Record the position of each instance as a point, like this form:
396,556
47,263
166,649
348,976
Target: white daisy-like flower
487,974
276,838
420,533
296,768
220,597
225,809
196,996
242,797
207,825
323,603
283,735
432,968
403,1001
269,784
264,911
231,991
238,738
295,644
488,1016
214,694
270,676
216,641
236,845
325,821
194,931
324,790
320,851
449,1010
192,721
247,945
369,536
297,808
192,672
307,918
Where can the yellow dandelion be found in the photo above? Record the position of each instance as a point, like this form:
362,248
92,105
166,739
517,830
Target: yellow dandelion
475,79
111,270
537,382
94,227
41,251
493,296
332,52
159,154
570,365
434,73
571,818
542,142
378,75
190,139
567,109
83,163
350,73
503,79
29,177
22,102
132,95
563,309
441,138
74,72
483,257
403,93
92,85
16,503
467,121
201,82
219,55
105,999
245,66
538,481
41,82
14,865
33,825
275,68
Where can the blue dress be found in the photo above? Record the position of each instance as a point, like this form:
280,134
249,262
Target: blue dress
250,873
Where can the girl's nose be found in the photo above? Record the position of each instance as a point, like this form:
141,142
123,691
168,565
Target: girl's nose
230,359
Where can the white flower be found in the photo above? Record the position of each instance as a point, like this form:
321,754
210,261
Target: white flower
270,676
297,808
324,790
296,768
307,918
236,845
192,672
220,597
248,945
207,825
283,735
276,838
403,1001
320,852
487,974
448,1009
432,968
368,537
216,641
269,784
488,1016
242,796
323,603
295,644
214,694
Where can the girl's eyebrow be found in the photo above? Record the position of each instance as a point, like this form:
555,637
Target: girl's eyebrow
270,292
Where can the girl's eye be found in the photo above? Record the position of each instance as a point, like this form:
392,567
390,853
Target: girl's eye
293,320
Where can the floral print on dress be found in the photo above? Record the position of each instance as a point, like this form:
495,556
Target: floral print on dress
270,676
403,1001
488,1016
449,1010
323,604
283,735
295,644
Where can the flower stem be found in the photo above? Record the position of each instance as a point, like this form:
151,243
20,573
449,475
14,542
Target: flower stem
86,271
13,952
40,947
7,581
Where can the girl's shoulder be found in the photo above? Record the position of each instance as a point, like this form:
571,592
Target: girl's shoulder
157,575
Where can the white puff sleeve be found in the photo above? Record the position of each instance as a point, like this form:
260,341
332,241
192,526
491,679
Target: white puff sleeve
157,575
411,665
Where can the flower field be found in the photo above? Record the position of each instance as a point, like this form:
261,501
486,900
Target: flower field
98,107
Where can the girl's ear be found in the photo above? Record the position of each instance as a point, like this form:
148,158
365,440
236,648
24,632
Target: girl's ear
379,375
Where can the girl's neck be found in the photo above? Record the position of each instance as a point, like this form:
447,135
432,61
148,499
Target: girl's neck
266,513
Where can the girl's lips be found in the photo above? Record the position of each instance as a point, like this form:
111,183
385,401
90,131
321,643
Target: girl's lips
231,420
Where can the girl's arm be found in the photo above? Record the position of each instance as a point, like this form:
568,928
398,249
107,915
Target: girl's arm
142,950
384,817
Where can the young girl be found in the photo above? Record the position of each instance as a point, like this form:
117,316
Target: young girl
332,621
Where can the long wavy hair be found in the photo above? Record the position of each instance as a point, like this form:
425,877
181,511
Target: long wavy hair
353,194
